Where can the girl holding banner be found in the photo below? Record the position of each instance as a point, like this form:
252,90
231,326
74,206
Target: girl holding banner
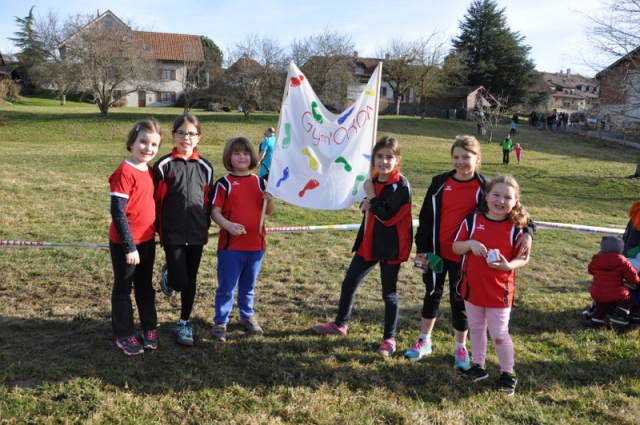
387,240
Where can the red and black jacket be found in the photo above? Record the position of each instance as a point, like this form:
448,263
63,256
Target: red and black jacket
183,191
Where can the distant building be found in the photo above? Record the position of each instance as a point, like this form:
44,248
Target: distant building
7,71
171,51
569,92
620,88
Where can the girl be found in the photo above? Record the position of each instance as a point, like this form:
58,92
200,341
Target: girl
450,198
488,276
518,150
387,241
237,209
131,240
183,196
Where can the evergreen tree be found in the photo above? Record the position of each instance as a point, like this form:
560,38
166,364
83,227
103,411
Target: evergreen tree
28,41
496,57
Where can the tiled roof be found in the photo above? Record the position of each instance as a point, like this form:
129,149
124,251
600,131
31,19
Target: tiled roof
172,47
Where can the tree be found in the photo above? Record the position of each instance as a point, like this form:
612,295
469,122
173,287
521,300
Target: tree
435,70
400,66
256,75
108,58
199,62
496,57
28,41
327,60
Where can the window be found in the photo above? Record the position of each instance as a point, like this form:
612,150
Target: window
166,96
167,74
384,92
108,24
359,69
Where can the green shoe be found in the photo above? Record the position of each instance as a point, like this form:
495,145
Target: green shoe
184,333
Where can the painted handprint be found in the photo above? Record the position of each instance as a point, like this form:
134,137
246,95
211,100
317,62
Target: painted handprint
343,118
313,162
296,81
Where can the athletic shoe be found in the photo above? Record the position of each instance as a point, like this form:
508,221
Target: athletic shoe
130,345
589,310
419,349
184,333
462,358
150,339
597,323
474,374
620,316
507,383
219,331
387,348
634,316
164,283
330,329
252,326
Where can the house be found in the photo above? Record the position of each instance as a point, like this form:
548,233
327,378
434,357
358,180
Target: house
8,72
460,102
569,92
620,88
173,53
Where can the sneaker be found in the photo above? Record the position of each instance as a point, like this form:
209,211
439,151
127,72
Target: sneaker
184,333
462,358
620,316
387,348
597,323
219,331
419,349
164,283
589,310
634,316
507,383
252,326
474,374
330,329
150,339
130,345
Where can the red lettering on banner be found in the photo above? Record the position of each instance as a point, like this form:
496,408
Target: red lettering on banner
342,134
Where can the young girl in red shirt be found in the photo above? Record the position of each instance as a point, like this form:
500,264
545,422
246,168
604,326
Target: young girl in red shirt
132,240
487,240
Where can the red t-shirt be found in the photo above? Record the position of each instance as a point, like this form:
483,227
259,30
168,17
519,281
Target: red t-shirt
459,199
481,285
240,198
135,185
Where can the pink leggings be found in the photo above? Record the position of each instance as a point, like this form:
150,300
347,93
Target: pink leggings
497,320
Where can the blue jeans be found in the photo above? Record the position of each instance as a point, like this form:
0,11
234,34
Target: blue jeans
358,270
236,269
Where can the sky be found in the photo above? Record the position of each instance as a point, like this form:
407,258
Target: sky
554,31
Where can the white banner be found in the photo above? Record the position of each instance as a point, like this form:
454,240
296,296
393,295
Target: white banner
320,159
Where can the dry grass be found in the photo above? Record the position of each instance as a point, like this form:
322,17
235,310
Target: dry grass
59,363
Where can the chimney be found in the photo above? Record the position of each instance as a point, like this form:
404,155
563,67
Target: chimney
355,54
568,72
386,57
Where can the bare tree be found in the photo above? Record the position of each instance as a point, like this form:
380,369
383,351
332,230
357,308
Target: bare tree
492,111
436,70
110,58
401,66
327,60
256,74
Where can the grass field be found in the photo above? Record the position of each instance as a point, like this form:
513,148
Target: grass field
59,363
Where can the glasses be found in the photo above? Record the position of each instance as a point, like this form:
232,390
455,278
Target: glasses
181,134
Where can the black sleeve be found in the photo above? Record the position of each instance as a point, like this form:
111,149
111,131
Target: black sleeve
118,205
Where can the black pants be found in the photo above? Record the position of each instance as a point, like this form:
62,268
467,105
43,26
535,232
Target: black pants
183,262
358,270
505,156
434,286
126,276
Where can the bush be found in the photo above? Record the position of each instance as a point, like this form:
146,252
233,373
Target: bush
9,91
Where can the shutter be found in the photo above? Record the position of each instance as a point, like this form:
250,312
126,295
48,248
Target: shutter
173,74
173,96
159,96
160,73
124,94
